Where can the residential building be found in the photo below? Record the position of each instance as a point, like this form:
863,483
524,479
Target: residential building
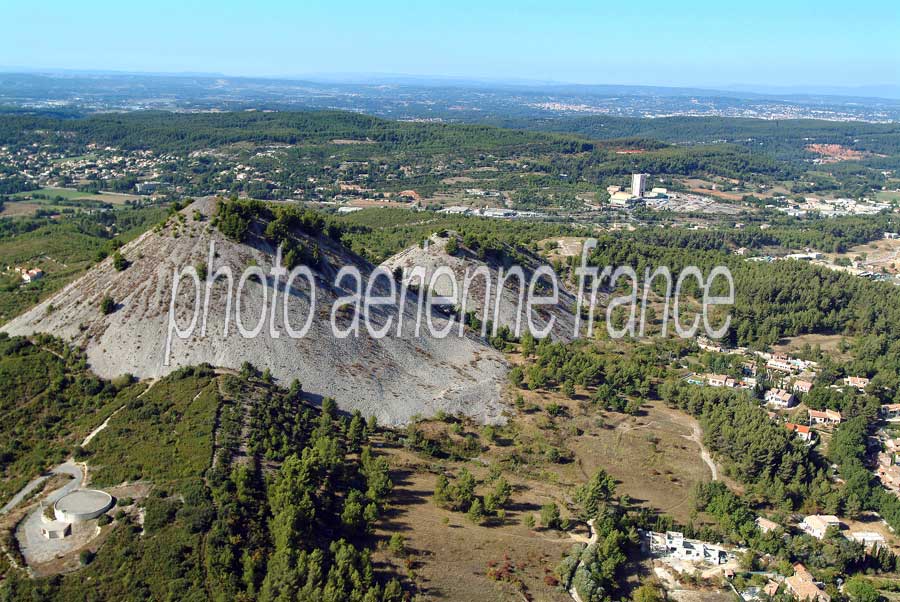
779,398
720,380
889,476
708,345
802,386
890,411
817,524
802,586
765,525
675,545
800,430
779,364
858,382
828,417
32,274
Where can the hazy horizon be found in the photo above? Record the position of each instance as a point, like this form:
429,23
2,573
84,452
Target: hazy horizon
704,44
870,90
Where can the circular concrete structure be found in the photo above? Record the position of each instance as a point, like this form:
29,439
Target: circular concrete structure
82,505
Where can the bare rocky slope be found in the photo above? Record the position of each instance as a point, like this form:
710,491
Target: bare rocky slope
510,307
394,378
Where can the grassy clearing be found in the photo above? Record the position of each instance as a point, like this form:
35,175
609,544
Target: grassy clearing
451,556
544,457
829,343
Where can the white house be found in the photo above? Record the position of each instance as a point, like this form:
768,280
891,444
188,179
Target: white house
828,417
817,524
779,398
675,545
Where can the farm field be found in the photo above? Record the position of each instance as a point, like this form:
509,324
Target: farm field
889,196
70,194
28,203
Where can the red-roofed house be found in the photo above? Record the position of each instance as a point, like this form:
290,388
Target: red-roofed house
800,430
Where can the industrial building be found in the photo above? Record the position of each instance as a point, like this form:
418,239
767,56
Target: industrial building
638,184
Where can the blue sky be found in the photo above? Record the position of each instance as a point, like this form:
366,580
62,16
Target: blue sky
699,43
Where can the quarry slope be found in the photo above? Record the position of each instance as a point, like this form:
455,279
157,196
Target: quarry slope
510,307
394,378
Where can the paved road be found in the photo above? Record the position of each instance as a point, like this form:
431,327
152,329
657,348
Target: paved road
68,467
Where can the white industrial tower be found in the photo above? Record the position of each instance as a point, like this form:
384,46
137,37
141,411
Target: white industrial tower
638,184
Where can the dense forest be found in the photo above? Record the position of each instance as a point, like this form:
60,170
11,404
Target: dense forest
786,138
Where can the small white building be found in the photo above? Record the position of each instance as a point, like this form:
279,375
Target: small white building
32,274
54,529
817,524
869,539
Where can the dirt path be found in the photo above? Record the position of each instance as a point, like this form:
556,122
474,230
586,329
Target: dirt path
105,424
593,539
97,430
696,437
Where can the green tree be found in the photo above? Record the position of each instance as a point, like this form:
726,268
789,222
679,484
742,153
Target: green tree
119,262
592,495
861,589
550,516
396,545
476,512
499,497
107,305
